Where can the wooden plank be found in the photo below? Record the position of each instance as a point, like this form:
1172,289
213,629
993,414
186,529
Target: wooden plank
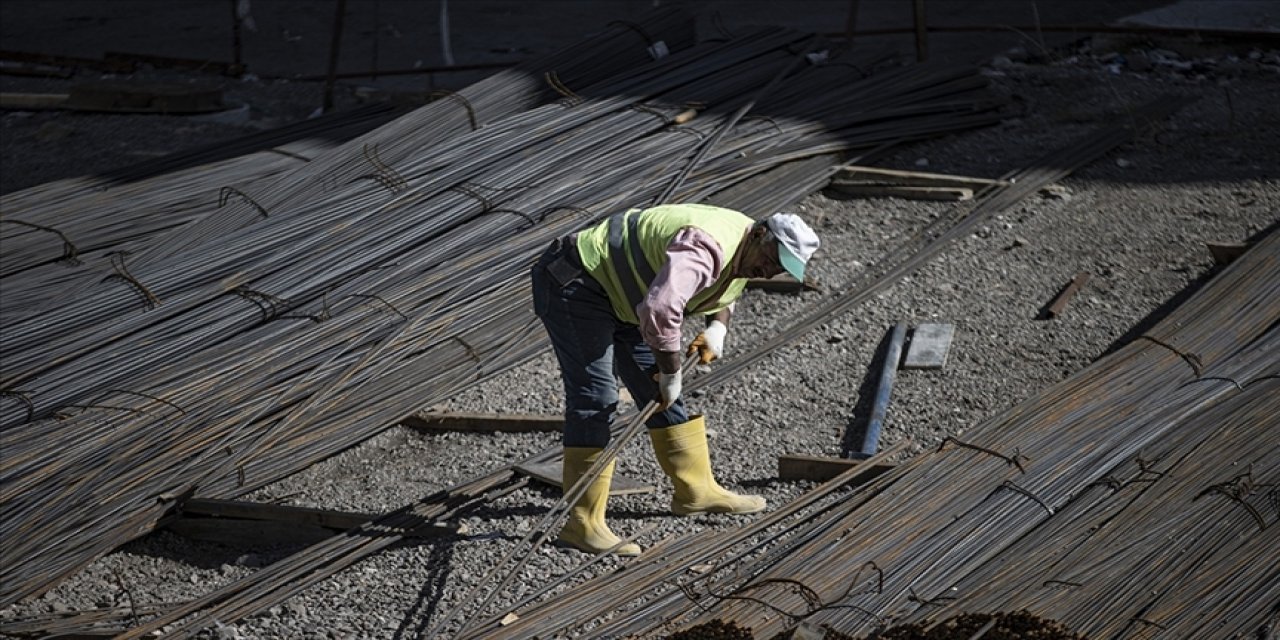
252,524
145,97
945,194
781,284
485,422
930,343
238,532
33,70
550,473
1223,253
1068,292
823,468
861,175
26,101
340,520
131,60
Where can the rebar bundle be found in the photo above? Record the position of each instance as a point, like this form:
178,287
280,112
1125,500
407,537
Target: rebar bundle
303,318
1135,498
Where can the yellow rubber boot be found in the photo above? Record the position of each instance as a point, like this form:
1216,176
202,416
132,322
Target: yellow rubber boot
586,528
682,451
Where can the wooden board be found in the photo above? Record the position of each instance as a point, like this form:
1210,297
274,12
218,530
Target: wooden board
823,468
945,194
340,520
1223,253
550,473
139,97
485,422
930,343
876,175
27,101
252,534
781,284
1064,297
254,524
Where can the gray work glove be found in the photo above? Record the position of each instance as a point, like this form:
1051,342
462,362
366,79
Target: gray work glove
669,385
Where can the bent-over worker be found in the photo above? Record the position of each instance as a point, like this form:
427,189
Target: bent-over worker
613,297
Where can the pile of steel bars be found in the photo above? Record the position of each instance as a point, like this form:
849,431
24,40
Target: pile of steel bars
1134,500
69,215
121,214
1022,514
296,321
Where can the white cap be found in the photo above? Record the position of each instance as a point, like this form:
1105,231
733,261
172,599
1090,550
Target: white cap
796,242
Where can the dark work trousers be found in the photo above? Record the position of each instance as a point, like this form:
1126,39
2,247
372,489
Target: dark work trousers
591,343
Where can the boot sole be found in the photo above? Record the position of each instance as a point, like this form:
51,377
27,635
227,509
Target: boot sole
694,512
564,544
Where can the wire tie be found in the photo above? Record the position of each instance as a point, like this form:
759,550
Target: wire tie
1110,482
24,399
768,119
380,179
634,27
554,80
225,194
469,189
644,108
471,351
521,214
1145,467
1014,460
466,104
69,250
937,602
379,299
267,303
687,130
148,396
315,317
1221,379
371,154
1192,359
1009,484
105,406
581,211
123,273
1236,489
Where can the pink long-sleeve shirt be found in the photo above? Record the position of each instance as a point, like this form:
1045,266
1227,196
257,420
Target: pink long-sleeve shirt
694,261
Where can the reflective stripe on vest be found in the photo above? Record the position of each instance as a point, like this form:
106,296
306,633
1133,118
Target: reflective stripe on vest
639,270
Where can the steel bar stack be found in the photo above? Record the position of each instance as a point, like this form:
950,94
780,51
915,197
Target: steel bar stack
294,322
71,228
1137,496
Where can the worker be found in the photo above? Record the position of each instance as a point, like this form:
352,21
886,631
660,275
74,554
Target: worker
613,298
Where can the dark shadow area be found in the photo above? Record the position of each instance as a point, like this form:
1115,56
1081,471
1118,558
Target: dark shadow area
275,47
856,429
166,545
426,604
336,127
1175,301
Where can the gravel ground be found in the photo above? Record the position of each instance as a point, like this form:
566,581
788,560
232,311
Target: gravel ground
1136,220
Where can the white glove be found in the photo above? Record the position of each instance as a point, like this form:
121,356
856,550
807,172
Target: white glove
669,385
709,344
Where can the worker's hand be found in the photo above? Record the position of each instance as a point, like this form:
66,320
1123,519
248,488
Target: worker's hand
709,344
669,385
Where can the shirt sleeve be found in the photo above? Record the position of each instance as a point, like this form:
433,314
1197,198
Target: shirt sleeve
694,261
